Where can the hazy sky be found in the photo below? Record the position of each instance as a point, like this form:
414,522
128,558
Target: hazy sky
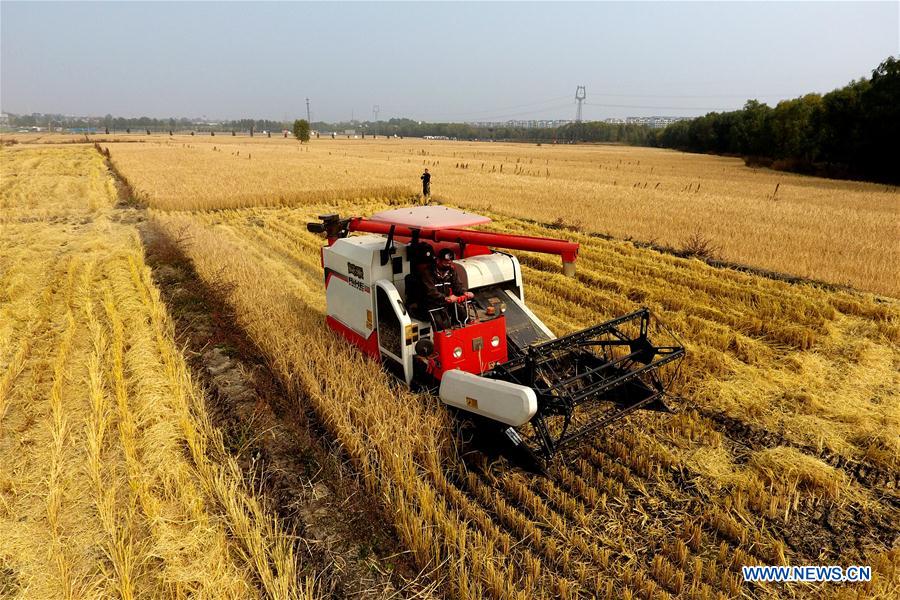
433,61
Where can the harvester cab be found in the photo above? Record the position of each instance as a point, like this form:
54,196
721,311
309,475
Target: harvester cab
490,356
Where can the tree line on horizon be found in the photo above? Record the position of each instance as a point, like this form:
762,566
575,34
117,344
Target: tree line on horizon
588,131
850,132
140,124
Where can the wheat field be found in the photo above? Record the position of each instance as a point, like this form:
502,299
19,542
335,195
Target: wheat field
113,482
663,507
782,450
841,232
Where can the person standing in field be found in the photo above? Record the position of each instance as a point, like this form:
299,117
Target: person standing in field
426,185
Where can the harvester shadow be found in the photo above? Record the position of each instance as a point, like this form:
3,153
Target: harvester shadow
285,454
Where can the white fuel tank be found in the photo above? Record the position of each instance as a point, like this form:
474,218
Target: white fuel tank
502,401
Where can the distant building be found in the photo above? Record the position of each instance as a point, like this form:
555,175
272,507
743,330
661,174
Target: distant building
657,122
4,120
654,122
527,124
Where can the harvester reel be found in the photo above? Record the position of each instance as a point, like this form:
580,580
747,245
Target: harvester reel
592,378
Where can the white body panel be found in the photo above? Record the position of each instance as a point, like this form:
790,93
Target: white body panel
350,306
355,265
487,269
501,401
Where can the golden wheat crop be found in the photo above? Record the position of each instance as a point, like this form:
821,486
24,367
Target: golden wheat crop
789,410
841,232
226,174
113,483
783,449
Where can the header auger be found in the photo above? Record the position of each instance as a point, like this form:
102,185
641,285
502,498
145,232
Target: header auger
496,359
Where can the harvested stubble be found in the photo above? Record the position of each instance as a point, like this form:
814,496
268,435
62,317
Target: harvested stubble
841,232
112,480
679,503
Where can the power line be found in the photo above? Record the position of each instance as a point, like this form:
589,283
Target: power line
523,113
500,114
500,109
745,96
659,107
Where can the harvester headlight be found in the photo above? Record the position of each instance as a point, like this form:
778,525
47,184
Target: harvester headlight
457,352
495,341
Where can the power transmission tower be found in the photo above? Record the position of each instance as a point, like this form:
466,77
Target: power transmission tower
375,110
580,95
308,119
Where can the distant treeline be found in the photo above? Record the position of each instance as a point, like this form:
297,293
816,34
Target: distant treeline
574,132
587,132
853,131
119,124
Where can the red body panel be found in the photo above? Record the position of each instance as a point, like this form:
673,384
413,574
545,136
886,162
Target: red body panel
471,361
369,345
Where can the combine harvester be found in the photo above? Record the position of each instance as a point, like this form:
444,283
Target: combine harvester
496,360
